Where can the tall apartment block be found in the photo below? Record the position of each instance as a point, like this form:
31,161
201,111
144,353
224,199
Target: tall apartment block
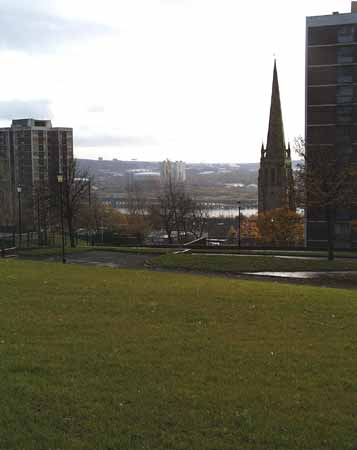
331,111
173,171
32,153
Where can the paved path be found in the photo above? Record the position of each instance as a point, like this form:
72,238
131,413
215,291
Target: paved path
305,275
268,256
115,260
345,279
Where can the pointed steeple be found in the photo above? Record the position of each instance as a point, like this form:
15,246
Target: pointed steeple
276,141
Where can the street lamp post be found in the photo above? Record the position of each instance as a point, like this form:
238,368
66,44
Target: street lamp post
89,193
239,223
60,182
19,190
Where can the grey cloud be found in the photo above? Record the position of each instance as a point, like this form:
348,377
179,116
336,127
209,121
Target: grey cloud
18,109
31,29
112,141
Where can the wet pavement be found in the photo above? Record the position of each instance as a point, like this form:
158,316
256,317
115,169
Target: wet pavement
117,260
304,275
268,256
114,260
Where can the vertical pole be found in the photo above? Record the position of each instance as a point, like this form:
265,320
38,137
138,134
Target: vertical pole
20,220
89,193
38,218
239,219
62,224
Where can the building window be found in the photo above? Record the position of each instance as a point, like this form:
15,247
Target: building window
345,34
344,55
343,230
344,152
344,114
344,75
344,94
343,135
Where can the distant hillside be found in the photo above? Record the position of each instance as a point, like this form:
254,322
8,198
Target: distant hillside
212,182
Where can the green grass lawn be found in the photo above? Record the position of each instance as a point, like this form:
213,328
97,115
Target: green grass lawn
96,358
237,264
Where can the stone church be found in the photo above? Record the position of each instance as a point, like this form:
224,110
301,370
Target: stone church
275,182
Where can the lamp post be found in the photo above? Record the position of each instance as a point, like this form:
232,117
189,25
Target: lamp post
60,182
89,193
239,223
19,190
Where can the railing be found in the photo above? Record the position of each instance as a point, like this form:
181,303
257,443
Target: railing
197,242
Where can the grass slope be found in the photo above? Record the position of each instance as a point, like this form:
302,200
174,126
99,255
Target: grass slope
243,263
94,358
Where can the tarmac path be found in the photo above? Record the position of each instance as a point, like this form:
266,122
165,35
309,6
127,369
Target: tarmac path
117,260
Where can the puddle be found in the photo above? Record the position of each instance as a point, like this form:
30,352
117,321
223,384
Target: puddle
301,275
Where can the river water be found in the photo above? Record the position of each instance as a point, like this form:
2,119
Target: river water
218,212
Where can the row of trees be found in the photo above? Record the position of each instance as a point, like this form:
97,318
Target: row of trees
326,182
180,215
81,208
323,182
279,228
6,212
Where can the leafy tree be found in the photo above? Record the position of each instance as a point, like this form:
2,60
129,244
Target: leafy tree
280,227
249,228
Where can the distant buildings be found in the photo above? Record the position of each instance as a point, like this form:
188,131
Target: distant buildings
331,112
275,181
172,171
32,154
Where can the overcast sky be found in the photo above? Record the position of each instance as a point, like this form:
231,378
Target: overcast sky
156,79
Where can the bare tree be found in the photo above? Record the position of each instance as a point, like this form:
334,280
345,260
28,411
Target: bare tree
178,212
325,182
6,207
137,203
76,191
43,210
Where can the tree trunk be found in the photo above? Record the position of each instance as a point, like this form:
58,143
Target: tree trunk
71,232
330,234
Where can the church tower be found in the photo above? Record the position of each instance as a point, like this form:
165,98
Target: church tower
275,182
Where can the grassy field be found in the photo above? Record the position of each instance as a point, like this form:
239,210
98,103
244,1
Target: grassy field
95,358
238,264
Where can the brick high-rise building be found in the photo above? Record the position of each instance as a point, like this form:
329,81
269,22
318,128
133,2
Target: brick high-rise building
275,182
331,112
33,153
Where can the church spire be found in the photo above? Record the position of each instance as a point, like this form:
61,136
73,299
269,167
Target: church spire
276,141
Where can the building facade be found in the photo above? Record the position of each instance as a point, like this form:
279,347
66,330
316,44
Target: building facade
331,114
172,171
275,181
32,154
